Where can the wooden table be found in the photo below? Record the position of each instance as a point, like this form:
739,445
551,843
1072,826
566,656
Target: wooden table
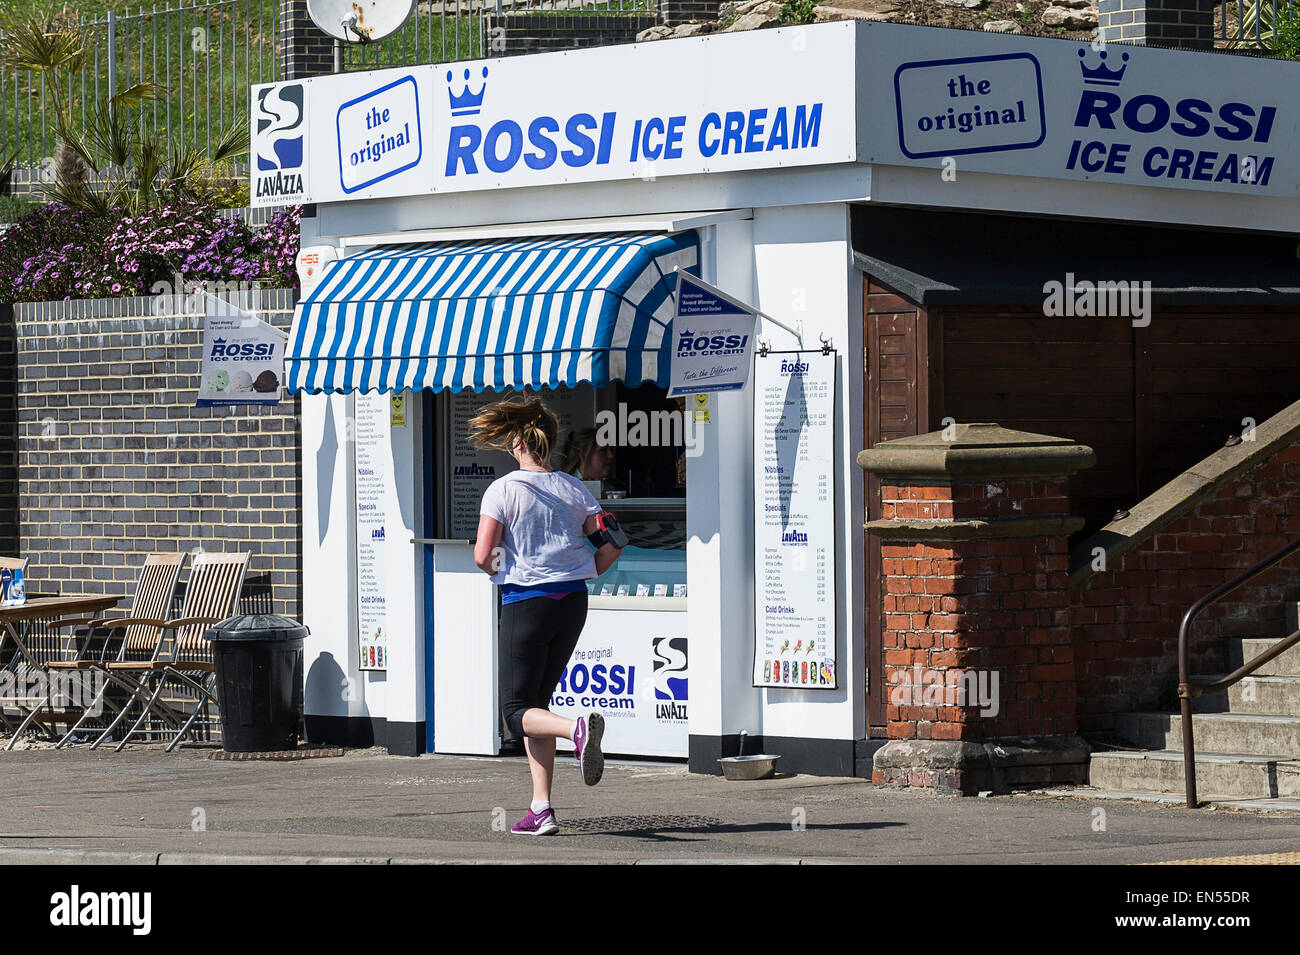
45,608
41,608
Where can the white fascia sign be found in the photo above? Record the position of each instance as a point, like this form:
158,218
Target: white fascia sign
778,98
1053,109
827,94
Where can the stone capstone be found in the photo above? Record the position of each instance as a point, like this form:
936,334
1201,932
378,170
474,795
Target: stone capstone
654,33
1055,16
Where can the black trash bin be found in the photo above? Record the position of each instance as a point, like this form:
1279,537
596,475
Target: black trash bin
259,681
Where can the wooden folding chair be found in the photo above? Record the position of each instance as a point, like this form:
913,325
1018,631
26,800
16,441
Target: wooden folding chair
135,636
211,595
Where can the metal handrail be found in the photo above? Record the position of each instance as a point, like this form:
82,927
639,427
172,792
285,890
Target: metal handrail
1189,687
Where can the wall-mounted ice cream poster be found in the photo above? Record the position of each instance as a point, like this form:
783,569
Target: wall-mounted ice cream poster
243,357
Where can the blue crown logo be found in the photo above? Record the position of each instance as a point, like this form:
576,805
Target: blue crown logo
1101,75
467,102
218,341
685,334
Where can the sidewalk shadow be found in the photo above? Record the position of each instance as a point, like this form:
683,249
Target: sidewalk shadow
663,833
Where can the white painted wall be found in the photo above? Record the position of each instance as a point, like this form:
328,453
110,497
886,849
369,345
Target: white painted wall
720,527
803,269
404,568
335,685
795,263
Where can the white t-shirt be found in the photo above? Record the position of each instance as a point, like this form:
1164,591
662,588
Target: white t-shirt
543,513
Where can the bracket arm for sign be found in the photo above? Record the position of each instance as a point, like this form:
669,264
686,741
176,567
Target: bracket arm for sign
797,331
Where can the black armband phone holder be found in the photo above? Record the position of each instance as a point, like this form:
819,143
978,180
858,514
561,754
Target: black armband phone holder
607,532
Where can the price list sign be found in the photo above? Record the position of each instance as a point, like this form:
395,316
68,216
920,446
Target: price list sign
794,520
371,431
473,469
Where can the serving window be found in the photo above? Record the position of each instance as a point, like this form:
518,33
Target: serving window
628,444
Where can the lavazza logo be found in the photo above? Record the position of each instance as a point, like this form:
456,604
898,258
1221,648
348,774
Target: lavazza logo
278,143
670,680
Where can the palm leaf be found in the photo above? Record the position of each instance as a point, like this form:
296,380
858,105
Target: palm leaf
41,43
79,197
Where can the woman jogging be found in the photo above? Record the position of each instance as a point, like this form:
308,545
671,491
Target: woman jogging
532,533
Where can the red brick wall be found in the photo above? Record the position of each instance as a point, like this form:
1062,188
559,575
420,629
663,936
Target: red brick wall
1126,620
990,604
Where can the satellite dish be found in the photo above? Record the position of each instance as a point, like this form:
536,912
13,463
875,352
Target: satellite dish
360,21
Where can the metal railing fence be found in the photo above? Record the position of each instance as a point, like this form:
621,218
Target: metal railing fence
203,57
443,31
1250,23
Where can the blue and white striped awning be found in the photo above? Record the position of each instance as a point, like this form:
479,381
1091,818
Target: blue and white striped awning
540,313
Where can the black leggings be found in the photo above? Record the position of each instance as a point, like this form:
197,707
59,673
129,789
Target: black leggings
539,635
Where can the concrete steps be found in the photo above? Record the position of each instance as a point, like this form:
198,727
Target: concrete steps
1226,775
1242,649
1247,739
1259,733
1255,695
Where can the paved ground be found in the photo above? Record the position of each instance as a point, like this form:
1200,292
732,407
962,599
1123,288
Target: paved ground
369,806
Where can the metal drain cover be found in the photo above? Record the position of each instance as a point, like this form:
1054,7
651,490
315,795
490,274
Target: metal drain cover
639,823
282,755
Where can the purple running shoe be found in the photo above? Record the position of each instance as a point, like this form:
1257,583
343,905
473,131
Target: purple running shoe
586,746
534,824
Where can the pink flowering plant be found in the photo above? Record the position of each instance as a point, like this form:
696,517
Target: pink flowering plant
49,252
58,253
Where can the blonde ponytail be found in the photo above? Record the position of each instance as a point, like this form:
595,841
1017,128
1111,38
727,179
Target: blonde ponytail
504,424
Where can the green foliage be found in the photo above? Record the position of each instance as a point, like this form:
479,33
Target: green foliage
1256,17
131,170
798,11
1285,42
13,208
200,86
228,190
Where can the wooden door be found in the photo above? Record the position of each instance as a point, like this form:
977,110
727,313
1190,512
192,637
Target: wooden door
896,403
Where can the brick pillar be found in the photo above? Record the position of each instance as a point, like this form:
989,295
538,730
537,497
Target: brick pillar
979,668
304,49
1188,24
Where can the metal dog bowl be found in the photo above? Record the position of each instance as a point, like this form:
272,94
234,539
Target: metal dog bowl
749,767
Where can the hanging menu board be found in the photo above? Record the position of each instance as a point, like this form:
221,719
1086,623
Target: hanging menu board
794,520
371,413
472,469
